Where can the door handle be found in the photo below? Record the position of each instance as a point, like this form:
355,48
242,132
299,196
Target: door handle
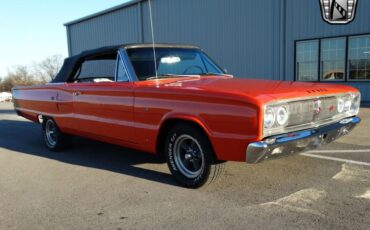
76,93
54,98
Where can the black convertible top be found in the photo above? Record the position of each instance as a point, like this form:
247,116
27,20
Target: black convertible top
71,64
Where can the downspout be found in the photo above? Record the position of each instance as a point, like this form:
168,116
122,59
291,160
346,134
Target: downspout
69,41
140,22
283,17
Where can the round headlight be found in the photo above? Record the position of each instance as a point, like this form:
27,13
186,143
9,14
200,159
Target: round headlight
347,104
269,118
356,103
340,105
282,115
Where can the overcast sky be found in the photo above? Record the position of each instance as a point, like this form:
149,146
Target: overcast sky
31,30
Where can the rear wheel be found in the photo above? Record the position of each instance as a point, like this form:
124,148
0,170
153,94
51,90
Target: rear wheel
54,139
190,157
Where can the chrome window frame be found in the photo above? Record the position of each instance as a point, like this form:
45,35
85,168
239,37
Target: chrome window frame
127,65
131,69
118,61
123,59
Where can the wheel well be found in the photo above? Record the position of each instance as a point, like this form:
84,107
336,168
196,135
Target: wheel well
41,118
167,125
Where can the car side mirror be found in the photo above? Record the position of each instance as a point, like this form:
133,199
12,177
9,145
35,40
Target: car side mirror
225,70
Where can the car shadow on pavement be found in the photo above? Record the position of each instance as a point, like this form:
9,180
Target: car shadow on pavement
25,137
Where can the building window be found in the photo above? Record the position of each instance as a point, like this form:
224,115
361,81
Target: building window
359,58
307,60
333,59
345,58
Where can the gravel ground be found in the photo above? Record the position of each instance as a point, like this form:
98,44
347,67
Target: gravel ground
100,186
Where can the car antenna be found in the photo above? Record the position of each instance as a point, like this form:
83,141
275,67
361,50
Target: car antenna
153,42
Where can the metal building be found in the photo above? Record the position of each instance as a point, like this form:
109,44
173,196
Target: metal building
271,39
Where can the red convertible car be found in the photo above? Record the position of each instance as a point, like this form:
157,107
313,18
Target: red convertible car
175,101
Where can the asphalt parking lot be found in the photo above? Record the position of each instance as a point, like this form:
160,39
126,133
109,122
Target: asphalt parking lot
100,186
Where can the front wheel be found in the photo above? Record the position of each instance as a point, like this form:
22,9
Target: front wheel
54,139
190,157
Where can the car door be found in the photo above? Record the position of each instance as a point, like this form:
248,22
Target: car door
104,109
64,105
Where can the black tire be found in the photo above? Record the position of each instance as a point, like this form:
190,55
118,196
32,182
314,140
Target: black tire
190,156
54,139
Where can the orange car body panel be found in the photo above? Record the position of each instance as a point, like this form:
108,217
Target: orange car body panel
229,110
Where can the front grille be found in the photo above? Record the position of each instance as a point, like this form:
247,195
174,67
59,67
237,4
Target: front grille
312,110
328,108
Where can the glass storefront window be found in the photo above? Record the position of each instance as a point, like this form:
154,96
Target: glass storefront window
333,59
307,60
359,58
345,58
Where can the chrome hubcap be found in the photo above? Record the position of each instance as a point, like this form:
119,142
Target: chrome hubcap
188,156
50,131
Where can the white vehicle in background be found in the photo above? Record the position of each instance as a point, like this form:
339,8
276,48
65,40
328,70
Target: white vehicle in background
5,96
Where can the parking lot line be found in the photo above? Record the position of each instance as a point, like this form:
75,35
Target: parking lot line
341,151
335,159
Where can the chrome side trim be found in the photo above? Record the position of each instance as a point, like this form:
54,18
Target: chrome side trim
284,101
295,142
160,45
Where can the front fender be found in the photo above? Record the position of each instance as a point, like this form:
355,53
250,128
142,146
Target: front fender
187,117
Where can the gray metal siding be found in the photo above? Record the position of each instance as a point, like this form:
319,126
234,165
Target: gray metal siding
229,31
121,26
249,38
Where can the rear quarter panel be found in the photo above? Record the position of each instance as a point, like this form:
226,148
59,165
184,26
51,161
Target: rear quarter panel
29,101
32,101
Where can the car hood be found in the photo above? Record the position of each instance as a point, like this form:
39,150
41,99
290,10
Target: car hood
262,90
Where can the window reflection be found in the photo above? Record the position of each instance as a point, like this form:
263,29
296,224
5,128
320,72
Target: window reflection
333,59
307,60
338,61
359,58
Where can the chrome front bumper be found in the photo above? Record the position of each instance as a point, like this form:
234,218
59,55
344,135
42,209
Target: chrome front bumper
300,141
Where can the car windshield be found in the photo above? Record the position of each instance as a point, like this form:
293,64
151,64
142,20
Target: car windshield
171,62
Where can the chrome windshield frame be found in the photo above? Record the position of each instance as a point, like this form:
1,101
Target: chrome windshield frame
131,69
127,65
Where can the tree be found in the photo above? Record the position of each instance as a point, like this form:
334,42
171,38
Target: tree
19,76
7,84
47,69
1,85
40,73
